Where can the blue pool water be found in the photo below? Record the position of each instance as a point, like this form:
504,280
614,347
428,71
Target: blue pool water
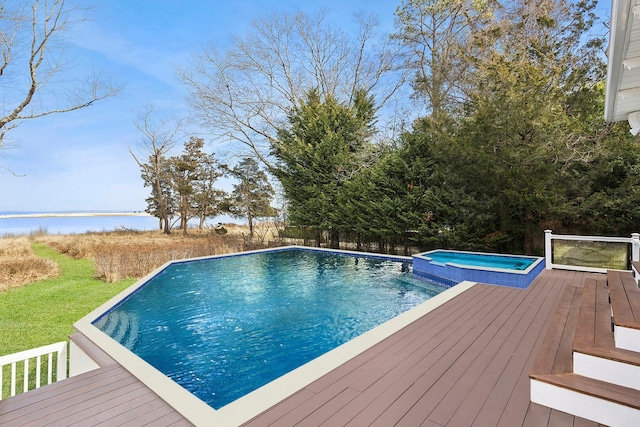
224,327
481,260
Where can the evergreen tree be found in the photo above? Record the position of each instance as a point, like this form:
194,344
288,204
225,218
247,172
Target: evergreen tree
207,200
323,146
251,196
162,205
531,115
192,176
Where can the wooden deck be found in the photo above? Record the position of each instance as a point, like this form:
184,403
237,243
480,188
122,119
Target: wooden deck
106,396
465,363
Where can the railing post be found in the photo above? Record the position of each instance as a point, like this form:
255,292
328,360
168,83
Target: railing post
635,246
61,371
548,254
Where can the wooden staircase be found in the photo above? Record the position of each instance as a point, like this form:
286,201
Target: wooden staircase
589,362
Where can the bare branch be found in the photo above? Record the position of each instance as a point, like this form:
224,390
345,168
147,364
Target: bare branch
30,46
159,137
244,94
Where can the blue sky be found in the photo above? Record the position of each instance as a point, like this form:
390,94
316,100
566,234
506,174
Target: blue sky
80,160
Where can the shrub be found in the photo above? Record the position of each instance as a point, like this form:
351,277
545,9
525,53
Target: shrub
11,247
19,265
119,255
137,260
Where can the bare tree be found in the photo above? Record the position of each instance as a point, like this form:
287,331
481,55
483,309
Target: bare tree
245,92
31,57
435,33
158,140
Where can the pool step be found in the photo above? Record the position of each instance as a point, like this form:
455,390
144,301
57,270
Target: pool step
122,327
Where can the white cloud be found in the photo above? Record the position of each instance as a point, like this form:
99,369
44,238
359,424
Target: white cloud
149,61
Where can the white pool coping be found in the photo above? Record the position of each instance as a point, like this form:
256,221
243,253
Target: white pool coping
256,402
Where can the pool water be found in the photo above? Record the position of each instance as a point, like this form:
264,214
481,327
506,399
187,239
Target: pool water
481,260
224,327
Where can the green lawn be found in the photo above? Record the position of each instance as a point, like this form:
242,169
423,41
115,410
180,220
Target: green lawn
43,312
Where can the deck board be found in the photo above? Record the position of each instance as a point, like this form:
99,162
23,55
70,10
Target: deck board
500,375
478,381
465,363
437,376
513,382
93,398
511,359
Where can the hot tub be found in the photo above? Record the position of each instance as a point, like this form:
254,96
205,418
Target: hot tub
451,267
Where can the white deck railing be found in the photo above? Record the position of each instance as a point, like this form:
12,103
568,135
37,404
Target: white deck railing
633,241
23,358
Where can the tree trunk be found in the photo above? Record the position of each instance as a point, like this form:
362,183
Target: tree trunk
335,239
406,245
529,231
184,215
250,220
162,205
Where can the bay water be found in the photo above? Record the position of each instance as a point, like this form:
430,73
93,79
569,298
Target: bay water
77,223
72,224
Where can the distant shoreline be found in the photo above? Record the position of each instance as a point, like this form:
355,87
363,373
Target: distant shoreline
73,214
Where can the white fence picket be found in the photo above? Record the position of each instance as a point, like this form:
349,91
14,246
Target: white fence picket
24,356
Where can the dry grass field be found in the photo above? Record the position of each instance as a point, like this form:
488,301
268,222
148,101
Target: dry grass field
119,254
19,265
133,254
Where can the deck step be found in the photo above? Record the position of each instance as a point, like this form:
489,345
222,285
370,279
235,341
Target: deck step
625,305
594,327
594,352
598,381
588,398
612,365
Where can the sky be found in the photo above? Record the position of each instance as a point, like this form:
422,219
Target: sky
80,161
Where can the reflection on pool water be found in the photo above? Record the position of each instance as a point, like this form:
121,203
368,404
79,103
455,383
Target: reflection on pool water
224,327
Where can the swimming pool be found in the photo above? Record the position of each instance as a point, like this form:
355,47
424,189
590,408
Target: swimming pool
223,327
451,267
